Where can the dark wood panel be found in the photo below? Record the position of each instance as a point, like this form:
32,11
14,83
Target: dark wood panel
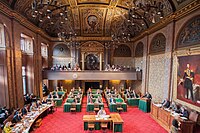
2,87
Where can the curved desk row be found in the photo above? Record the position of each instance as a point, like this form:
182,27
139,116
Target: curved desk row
26,124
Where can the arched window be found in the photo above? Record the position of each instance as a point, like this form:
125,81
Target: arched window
26,44
2,36
44,50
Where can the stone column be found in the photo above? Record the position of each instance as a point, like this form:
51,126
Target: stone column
83,60
100,61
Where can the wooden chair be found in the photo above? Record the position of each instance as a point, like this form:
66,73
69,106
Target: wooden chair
73,107
91,126
119,107
96,107
104,126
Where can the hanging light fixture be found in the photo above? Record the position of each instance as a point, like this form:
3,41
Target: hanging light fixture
144,9
70,39
49,9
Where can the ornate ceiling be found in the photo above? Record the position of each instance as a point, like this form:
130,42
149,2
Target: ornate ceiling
94,17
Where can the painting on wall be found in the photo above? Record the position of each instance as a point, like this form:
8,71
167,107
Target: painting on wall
188,88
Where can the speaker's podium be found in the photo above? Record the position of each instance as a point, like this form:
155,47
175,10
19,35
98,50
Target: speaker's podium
145,104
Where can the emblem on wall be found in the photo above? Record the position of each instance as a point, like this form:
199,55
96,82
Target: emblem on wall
92,21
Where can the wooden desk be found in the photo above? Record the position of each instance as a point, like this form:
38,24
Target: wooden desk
30,124
115,120
165,118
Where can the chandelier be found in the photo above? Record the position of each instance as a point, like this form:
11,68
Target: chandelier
70,39
145,9
50,10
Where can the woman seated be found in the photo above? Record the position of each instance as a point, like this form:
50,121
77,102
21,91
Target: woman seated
7,128
101,112
175,126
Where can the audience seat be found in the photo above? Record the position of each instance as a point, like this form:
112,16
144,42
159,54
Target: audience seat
91,126
96,107
104,126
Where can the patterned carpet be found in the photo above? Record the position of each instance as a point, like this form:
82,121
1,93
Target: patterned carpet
135,121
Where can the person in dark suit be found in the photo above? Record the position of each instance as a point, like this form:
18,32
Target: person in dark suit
17,117
24,110
45,90
166,103
184,112
188,81
147,95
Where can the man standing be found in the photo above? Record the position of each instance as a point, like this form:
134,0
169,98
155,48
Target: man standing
188,81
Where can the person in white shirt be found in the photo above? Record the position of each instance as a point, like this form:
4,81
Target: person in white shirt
101,112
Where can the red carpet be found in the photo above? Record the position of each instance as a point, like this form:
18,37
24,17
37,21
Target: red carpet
135,121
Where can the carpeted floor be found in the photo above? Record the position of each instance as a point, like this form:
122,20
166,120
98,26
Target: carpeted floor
135,121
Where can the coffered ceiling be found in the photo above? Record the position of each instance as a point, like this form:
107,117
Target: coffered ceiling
94,17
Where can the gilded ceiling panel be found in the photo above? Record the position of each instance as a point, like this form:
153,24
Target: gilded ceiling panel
92,20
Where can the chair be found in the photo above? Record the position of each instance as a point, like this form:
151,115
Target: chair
73,107
104,126
119,107
96,107
91,126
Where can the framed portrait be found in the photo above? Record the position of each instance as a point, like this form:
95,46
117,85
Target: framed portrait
188,79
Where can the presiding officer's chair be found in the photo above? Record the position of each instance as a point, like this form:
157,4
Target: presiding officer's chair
73,107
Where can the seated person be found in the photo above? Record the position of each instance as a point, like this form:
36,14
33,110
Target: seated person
76,99
99,99
89,91
80,90
73,89
175,126
50,95
17,117
133,94
61,88
112,90
33,106
108,91
173,106
38,103
184,112
101,112
90,95
71,95
90,100
78,95
7,128
112,100
119,96
166,103
24,110
98,91
44,100
147,95
126,91
55,95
